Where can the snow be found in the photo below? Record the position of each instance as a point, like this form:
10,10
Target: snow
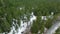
23,26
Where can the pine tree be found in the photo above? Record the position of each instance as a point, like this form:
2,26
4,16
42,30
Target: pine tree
10,9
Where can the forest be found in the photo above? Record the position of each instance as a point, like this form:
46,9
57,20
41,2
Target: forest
16,9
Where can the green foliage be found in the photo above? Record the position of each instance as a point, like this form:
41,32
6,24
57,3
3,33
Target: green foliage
10,9
34,28
37,25
48,23
58,31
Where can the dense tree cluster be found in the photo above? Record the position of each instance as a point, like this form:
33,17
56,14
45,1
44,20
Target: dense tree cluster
10,9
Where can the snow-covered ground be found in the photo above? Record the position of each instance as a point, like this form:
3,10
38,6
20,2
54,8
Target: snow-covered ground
23,26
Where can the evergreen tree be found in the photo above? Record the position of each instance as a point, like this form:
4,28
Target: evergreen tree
10,9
